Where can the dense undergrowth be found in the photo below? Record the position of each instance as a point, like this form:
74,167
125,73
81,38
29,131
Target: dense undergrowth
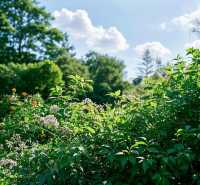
153,138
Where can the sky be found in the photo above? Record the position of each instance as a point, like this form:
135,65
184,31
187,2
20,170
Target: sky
126,28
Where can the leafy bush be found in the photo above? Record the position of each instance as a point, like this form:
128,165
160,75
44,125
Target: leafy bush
30,78
152,139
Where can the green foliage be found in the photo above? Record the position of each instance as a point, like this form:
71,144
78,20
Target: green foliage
30,78
107,75
71,66
151,139
79,87
52,133
26,34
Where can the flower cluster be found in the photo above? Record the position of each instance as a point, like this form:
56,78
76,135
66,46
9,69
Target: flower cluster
24,94
16,143
8,162
87,101
49,120
13,90
34,103
65,130
54,108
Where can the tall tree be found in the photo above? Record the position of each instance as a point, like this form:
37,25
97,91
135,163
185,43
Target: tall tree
146,68
159,67
55,50
26,34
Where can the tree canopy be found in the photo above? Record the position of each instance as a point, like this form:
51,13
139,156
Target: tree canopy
106,73
71,66
26,33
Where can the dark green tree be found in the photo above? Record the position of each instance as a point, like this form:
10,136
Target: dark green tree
107,75
26,34
53,51
71,66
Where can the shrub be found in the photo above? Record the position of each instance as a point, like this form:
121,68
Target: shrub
152,139
30,78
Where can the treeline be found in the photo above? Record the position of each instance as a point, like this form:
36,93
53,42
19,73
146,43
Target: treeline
28,40
105,72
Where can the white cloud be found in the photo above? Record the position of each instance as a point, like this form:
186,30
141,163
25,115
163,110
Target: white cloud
78,24
156,49
194,44
188,20
183,22
163,26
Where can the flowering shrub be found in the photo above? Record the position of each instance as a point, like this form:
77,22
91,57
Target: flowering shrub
149,139
8,162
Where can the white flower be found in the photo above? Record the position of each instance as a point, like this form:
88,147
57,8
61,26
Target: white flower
65,130
49,120
87,101
15,142
8,162
54,108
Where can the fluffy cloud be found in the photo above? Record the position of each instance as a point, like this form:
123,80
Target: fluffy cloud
194,44
79,26
156,49
185,22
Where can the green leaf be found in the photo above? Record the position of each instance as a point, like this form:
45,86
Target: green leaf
119,153
91,130
138,143
146,164
132,160
123,161
153,150
179,132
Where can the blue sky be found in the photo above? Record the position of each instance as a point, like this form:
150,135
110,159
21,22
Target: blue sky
125,28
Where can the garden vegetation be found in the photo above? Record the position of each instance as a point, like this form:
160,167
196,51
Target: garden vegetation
69,121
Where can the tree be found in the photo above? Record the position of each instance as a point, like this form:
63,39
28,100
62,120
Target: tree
53,51
26,34
158,62
159,72
71,66
146,68
107,75
196,27
67,47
